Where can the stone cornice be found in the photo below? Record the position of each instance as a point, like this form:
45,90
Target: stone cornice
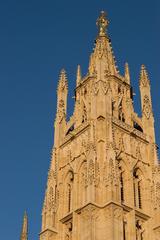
142,215
52,230
75,133
67,217
129,129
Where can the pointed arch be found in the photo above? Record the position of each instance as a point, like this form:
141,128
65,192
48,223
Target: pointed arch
124,176
68,190
84,112
82,187
137,187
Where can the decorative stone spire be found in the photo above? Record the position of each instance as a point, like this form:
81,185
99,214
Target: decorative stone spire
146,104
24,233
102,61
144,79
62,93
63,83
127,73
79,77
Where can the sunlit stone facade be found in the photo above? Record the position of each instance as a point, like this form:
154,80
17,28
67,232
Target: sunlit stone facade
104,178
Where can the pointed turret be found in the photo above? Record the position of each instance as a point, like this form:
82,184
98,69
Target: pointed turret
63,83
144,79
62,93
102,61
79,77
146,103
24,232
127,73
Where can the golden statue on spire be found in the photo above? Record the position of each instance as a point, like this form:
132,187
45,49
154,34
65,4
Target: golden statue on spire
102,24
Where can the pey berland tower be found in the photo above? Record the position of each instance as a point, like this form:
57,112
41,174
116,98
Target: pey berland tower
104,177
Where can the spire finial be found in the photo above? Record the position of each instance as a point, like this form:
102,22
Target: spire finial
102,24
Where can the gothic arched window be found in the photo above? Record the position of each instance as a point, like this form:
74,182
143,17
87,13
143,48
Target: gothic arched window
121,113
55,193
69,187
84,113
122,186
69,197
137,189
122,182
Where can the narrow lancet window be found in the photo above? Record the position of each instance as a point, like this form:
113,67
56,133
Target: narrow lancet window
122,187
69,197
137,189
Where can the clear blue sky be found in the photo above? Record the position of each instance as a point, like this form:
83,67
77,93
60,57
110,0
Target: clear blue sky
37,39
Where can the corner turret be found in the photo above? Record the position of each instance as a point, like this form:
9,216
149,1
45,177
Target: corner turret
146,104
62,93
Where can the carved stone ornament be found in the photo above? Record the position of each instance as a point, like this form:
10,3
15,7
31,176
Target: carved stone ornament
108,212
90,212
90,172
99,48
105,87
121,144
158,194
138,152
93,173
146,107
97,174
83,175
105,178
117,213
95,88
61,110
111,174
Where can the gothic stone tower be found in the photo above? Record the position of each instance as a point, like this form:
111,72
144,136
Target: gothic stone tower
104,178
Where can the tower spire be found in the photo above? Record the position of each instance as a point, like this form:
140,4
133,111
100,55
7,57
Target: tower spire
24,232
102,61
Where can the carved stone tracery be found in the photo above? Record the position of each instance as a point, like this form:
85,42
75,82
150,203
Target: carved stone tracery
147,107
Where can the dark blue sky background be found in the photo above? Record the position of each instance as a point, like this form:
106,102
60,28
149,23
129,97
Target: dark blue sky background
37,39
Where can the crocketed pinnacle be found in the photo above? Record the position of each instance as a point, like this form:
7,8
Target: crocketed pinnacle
102,60
144,79
127,73
63,83
24,232
79,77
